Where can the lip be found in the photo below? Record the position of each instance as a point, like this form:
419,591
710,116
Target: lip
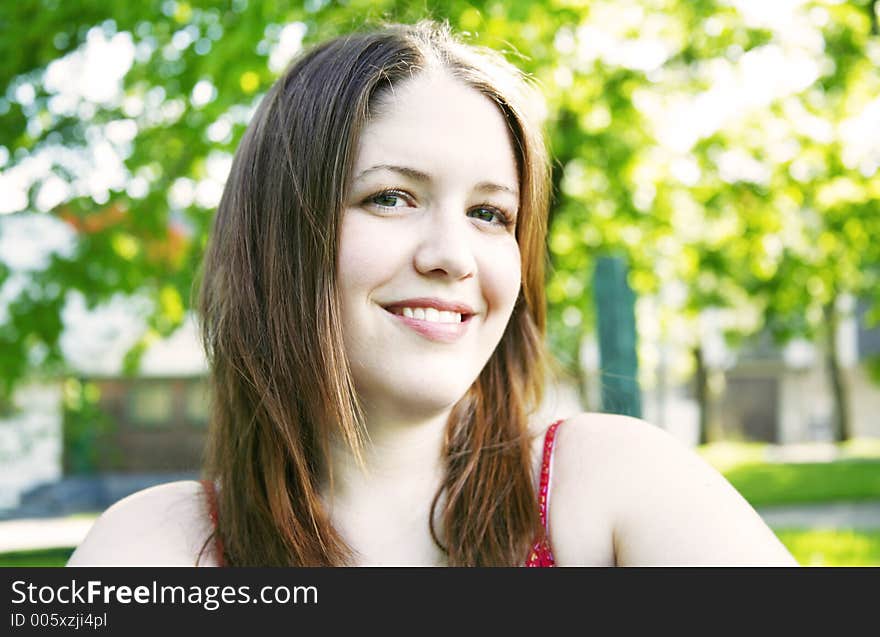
438,332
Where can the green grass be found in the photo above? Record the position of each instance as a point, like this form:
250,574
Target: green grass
826,547
854,474
39,557
807,482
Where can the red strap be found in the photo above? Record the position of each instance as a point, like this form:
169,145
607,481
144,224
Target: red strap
544,489
208,486
541,553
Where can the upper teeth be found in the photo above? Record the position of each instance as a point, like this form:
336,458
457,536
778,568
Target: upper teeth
430,314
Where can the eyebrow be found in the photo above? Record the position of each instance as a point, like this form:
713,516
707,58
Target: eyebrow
418,175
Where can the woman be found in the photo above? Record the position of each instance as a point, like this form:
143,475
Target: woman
373,311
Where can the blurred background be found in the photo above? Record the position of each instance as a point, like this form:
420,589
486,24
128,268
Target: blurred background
715,262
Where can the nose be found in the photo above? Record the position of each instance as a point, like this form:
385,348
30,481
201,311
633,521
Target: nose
444,248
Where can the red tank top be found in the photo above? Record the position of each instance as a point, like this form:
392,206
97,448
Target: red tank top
540,555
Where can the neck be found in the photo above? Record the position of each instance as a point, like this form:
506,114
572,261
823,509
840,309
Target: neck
402,458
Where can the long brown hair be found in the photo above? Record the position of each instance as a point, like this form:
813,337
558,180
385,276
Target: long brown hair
280,379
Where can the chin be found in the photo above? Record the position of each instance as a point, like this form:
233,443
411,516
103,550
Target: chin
417,400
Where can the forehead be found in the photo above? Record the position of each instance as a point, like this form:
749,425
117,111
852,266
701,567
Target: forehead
439,125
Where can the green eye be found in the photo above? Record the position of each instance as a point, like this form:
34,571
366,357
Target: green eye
488,214
386,199
501,217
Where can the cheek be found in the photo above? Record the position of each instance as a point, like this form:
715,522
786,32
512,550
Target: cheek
502,276
360,266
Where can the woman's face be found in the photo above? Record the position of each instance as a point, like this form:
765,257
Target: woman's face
429,220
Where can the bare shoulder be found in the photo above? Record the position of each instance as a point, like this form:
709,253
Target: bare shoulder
163,525
611,441
650,498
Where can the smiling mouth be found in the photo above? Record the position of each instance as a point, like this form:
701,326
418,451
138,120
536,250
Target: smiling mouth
399,311
439,331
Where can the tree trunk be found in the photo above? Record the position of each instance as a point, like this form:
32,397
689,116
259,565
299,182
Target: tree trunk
701,392
841,418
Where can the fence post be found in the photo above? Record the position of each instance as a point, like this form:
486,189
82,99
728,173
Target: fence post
615,311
